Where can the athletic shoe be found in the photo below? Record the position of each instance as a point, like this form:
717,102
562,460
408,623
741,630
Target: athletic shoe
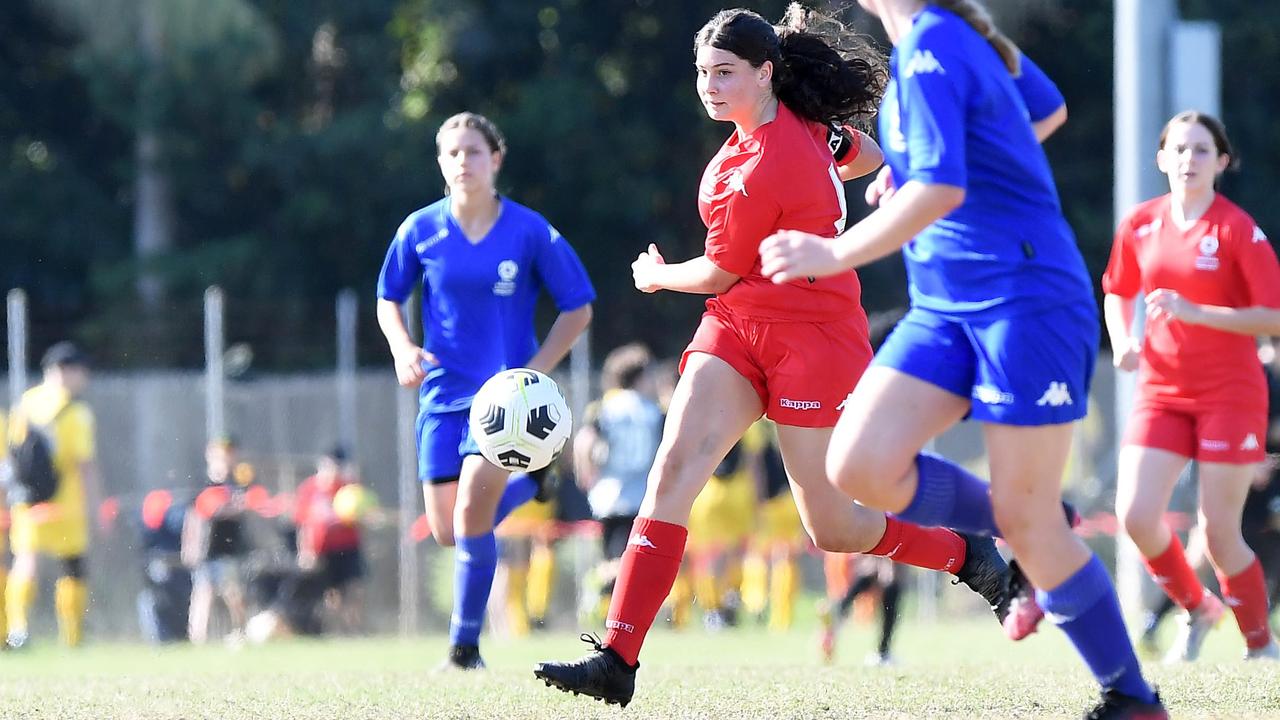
1117,706
1195,625
462,657
1270,651
986,573
548,482
601,674
1024,613
17,640
879,659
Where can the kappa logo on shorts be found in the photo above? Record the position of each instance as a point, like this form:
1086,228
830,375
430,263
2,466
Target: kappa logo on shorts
1215,445
845,401
988,395
800,404
1250,442
1056,396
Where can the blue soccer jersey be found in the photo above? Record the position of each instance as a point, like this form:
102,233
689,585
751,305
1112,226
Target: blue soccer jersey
953,115
479,298
1038,92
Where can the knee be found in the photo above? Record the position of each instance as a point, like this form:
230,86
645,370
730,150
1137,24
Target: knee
828,541
1010,516
866,476
1140,524
1223,540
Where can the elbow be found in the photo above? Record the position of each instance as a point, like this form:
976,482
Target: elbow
949,198
721,284
586,314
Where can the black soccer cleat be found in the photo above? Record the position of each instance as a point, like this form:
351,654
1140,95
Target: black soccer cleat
548,482
1117,706
986,573
601,673
463,657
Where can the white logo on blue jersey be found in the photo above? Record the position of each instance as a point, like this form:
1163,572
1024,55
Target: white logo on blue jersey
923,62
431,241
506,285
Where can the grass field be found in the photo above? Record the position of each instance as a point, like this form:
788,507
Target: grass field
960,670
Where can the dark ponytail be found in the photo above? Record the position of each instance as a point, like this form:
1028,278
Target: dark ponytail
822,71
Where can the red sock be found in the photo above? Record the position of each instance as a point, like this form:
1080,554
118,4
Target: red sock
910,544
1246,593
1174,575
648,569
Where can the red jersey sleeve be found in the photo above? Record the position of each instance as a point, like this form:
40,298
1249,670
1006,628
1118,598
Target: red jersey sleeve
1123,276
1259,268
737,223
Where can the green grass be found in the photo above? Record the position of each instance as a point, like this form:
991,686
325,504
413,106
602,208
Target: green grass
958,670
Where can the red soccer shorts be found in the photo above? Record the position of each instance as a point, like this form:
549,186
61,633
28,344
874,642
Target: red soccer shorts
802,371
1212,434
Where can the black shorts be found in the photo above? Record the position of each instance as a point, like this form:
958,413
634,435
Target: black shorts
614,533
342,567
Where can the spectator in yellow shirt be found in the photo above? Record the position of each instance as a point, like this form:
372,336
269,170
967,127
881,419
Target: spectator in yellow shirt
58,526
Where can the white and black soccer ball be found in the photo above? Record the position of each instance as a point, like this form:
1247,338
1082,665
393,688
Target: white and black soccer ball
520,420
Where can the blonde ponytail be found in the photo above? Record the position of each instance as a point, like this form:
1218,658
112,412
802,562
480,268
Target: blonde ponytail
979,19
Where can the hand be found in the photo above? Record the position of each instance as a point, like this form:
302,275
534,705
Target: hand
409,362
1126,354
881,189
790,255
645,270
1165,304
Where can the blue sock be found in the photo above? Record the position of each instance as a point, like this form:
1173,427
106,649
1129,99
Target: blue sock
1086,608
520,490
947,495
474,561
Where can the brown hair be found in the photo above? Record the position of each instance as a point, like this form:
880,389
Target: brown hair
1215,127
980,20
624,365
822,71
492,136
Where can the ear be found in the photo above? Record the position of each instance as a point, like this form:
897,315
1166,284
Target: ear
1224,161
764,73
497,162
1162,160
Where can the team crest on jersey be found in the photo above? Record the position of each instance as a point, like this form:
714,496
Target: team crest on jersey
1208,259
506,285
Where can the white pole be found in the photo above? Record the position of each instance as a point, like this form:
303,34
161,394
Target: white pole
580,375
214,376
17,310
410,491
1142,31
347,308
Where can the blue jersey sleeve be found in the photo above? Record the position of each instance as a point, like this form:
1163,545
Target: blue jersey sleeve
401,270
561,272
933,84
1039,93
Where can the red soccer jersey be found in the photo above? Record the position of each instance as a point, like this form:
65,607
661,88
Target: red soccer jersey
781,177
315,514
1222,259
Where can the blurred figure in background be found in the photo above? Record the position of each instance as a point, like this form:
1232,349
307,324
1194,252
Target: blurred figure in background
165,598
214,544
51,441
770,577
329,536
869,575
527,565
612,453
721,521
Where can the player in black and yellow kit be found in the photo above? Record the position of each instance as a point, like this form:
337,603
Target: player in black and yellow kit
58,527
770,576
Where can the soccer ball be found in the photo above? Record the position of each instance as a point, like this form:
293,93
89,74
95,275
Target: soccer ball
520,420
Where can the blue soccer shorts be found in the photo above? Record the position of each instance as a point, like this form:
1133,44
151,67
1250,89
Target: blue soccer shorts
444,439
1033,368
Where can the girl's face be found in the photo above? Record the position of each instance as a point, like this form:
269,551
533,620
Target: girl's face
1190,158
466,161
730,89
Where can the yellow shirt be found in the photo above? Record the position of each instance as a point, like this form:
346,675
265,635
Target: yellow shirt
72,435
